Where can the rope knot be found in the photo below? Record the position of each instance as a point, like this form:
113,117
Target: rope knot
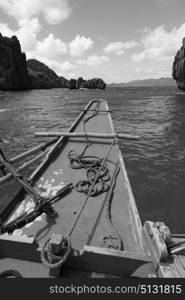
55,251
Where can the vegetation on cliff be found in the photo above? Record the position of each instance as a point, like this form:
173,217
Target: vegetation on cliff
178,70
42,77
13,68
95,83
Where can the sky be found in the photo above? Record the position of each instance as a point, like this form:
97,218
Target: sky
117,40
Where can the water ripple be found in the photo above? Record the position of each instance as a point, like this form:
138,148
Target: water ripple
155,164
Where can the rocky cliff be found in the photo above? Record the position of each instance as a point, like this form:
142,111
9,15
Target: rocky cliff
95,83
42,77
178,70
13,69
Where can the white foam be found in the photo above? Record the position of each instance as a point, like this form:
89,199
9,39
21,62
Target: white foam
3,110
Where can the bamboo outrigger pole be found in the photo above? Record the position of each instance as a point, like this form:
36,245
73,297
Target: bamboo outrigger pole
23,167
88,134
41,147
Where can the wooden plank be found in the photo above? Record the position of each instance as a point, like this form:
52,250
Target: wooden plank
136,228
19,247
179,265
175,270
121,263
88,134
91,259
182,259
165,271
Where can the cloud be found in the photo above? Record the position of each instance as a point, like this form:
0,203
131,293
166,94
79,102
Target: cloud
54,11
48,47
49,50
160,44
5,30
61,68
27,33
51,47
93,60
80,45
119,48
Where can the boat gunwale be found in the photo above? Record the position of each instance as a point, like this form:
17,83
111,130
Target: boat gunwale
137,228
133,211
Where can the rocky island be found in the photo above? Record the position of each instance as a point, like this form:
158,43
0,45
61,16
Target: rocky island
17,73
80,83
178,70
13,68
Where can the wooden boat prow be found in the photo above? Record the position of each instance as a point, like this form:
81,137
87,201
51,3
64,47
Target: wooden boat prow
94,239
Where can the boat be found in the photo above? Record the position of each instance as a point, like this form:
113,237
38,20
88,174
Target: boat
76,214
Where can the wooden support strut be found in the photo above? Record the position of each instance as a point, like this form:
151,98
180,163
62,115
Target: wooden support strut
28,153
88,134
94,110
23,167
41,147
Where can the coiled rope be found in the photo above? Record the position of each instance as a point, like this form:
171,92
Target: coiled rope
92,165
54,256
10,273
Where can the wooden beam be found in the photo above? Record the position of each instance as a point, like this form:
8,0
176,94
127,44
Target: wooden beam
41,147
91,259
121,263
23,167
88,134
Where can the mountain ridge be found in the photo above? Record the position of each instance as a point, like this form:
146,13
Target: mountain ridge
163,81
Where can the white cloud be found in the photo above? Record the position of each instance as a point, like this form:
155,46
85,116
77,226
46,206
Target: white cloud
160,44
49,50
119,47
27,33
54,11
61,68
93,60
80,45
67,66
51,47
5,30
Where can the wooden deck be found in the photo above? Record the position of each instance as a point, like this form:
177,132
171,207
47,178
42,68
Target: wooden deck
92,228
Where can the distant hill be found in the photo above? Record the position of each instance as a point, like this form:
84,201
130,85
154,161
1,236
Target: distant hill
166,81
42,77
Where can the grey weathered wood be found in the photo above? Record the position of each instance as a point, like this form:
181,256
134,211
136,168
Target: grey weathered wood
92,259
122,263
32,151
23,167
88,134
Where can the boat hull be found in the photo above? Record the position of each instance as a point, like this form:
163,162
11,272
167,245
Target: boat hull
86,222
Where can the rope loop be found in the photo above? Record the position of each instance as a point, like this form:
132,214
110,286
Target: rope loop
10,273
54,256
